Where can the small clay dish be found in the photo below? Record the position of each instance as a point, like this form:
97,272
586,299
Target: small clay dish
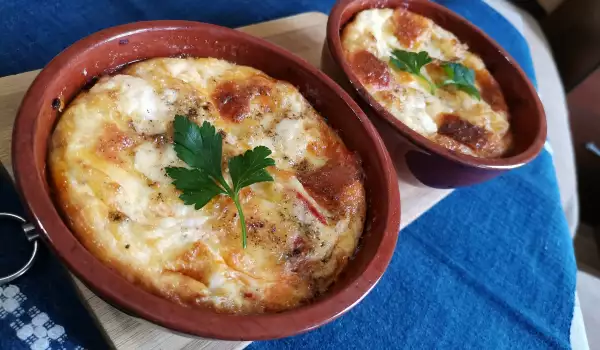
428,162
105,51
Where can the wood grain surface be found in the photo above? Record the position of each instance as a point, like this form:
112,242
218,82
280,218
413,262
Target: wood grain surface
303,35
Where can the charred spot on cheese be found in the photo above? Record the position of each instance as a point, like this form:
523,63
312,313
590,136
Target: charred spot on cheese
328,183
160,139
462,131
409,27
233,98
368,41
117,216
107,161
370,69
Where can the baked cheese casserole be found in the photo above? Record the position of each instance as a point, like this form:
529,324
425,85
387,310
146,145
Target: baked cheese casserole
475,123
107,162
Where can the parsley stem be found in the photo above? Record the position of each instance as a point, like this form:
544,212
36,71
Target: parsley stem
200,147
225,186
236,200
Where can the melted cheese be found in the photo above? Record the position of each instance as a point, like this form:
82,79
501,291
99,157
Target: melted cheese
482,127
137,99
108,158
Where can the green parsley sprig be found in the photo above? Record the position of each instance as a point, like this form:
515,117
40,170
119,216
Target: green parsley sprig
201,148
462,77
458,75
412,62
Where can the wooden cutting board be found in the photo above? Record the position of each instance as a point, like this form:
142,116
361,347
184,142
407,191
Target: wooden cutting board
303,35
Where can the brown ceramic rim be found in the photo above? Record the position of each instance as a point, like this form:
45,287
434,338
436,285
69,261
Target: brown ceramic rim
334,27
115,289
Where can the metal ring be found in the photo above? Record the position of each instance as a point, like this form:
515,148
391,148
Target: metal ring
31,237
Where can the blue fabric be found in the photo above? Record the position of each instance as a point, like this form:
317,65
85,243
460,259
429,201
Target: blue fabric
34,31
41,309
491,266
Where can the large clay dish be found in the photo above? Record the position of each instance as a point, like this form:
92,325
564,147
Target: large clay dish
64,77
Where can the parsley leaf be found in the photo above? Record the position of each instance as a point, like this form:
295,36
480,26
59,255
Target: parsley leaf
196,186
462,77
249,168
412,62
201,148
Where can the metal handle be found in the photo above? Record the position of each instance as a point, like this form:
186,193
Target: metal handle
32,236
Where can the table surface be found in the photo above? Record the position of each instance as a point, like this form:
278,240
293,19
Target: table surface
303,35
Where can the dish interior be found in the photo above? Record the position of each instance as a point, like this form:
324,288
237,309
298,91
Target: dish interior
122,174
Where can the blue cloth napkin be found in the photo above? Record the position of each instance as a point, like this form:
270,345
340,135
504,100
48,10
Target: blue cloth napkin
42,309
491,266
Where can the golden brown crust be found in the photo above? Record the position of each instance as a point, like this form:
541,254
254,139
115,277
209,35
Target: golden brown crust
370,69
408,26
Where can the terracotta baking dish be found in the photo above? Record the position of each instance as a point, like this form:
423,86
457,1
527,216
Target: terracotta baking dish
431,164
109,49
